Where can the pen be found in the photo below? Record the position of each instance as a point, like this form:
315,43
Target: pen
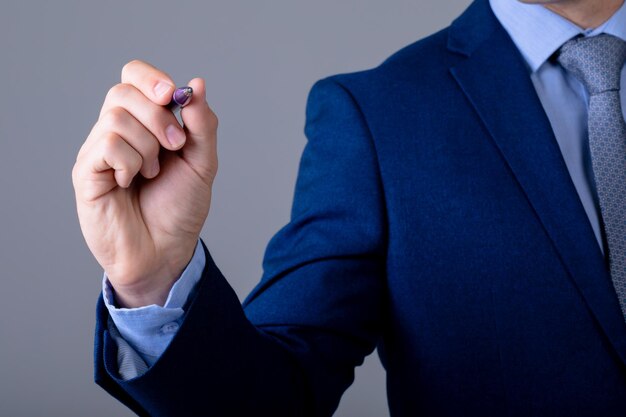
180,98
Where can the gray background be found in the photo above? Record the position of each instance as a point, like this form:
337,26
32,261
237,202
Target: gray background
58,59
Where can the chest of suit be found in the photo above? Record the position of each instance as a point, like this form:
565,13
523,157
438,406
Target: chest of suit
494,277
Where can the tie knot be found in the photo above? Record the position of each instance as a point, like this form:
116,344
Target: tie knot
596,61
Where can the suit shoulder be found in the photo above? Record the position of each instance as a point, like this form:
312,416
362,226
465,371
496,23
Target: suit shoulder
418,60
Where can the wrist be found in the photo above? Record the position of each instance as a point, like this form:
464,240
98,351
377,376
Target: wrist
142,295
135,289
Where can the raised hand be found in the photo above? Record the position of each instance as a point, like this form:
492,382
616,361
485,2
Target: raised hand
143,183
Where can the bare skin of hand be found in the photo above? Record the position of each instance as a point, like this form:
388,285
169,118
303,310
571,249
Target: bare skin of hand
143,183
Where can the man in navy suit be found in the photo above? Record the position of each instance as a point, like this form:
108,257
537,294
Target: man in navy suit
452,209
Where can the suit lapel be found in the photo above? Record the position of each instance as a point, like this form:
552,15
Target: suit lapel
496,82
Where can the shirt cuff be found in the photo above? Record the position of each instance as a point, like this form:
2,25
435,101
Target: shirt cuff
150,329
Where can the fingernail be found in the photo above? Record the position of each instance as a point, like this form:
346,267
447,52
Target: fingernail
161,88
155,168
175,136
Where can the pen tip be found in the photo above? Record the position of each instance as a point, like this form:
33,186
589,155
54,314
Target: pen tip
183,95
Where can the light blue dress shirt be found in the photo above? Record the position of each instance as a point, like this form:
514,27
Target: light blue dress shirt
143,334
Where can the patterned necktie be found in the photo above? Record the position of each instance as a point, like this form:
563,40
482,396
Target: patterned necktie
597,62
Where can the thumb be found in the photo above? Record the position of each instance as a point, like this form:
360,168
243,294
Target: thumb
200,150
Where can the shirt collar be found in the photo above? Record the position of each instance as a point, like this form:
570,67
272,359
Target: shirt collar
538,32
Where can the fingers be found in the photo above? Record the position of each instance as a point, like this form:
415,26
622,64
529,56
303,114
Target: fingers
117,149
200,150
124,125
112,162
117,154
134,125
152,82
158,119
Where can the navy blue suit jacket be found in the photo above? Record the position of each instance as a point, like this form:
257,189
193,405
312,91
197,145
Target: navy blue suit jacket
434,217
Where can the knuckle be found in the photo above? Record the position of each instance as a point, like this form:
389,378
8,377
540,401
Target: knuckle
129,66
81,151
75,174
118,92
79,173
209,172
109,143
113,118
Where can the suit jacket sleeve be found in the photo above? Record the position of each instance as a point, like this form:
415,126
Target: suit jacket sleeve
317,312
